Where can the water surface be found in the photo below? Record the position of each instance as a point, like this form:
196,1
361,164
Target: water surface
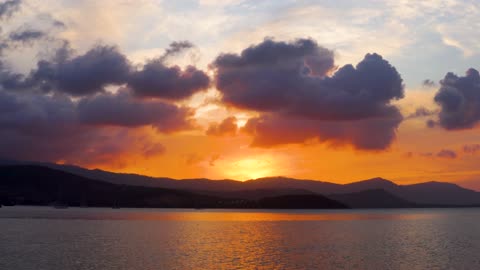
93,238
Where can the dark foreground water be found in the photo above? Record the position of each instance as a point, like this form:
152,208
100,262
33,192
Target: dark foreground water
46,238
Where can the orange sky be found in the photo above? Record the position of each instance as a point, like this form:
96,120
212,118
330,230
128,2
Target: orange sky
195,155
424,40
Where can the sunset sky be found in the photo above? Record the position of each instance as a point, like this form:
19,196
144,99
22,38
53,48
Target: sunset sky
331,90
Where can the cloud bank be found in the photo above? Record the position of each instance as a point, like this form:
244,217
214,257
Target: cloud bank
63,109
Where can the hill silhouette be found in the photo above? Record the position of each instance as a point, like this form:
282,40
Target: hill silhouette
429,193
372,198
37,185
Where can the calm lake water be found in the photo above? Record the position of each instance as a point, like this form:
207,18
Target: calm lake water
90,238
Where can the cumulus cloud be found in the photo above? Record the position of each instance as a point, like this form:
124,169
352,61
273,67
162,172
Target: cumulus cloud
446,153
157,80
84,74
227,127
291,84
459,100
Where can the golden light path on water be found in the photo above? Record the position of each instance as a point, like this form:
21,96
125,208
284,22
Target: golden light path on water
214,215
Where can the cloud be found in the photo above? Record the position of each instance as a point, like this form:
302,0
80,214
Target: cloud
428,83
35,126
291,85
26,36
101,66
421,112
84,74
157,80
176,47
262,77
10,80
9,7
366,134
446,153
227,127
471,148
122,109
62,111
459,100
39,127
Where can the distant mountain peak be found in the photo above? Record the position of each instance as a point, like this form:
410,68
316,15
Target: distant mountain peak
270,178
438,184
375,180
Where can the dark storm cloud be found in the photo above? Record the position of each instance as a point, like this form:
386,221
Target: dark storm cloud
459,100
227,127
85,74
26,36
157,80
290,83
122,109
446,153
7,8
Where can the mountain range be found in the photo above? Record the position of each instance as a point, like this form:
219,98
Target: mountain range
371,193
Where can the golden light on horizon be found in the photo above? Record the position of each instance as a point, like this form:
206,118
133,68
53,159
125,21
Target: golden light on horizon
251,168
